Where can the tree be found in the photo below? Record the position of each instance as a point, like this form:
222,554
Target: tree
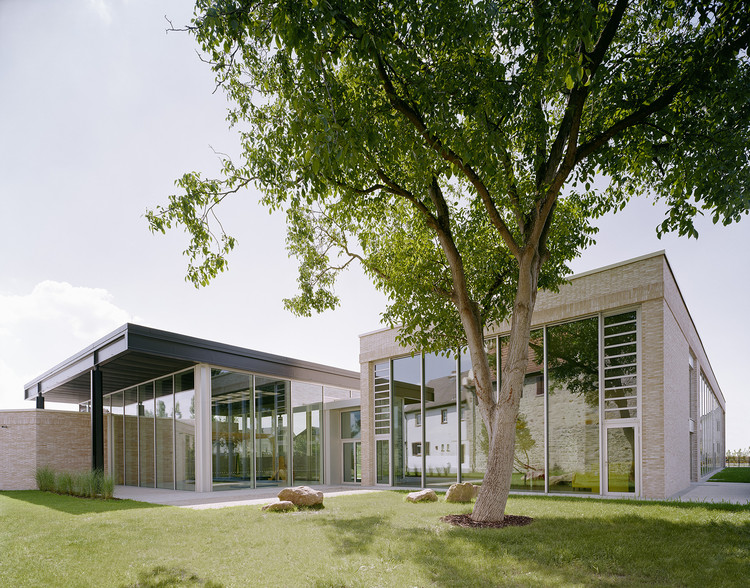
450,146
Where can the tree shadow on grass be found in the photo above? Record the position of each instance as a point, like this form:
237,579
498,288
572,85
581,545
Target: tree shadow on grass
356,534
164,577
618,551
73,504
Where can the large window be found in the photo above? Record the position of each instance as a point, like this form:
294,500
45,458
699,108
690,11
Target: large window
164,397
441,441
572,369
711,429
231,429
184,425
271,432
528,459
307,436
573,406
406,403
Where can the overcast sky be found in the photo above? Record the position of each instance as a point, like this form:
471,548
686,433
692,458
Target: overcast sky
101,110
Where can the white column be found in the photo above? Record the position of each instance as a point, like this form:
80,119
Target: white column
203,482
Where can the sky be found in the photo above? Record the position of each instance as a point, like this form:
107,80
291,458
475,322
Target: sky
101,110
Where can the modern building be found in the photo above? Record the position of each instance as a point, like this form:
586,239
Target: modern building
619,399
619,396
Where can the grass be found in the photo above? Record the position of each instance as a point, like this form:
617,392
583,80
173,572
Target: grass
370,540
737,474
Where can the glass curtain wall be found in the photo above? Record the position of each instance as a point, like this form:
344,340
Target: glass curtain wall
118,438
406,407
131,436
231,429
440,420
184,427
307,436
712,429
164,398
271,432
474,438
573,406
528,458
558,431
147,465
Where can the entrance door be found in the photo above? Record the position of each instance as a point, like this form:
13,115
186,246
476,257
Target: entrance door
621,469
352,462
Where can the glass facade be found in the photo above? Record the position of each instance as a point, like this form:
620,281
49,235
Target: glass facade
712,453
406,407
231,429
265,431
153,435
580,375
528,458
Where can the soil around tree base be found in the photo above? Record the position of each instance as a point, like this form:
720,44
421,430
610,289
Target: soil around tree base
465,520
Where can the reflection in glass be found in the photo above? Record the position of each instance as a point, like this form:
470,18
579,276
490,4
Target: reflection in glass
146,434
306,431
474,437
184,413
621,459
271,432
528,458
118,446
406,404
131,436
352,462
441,420
382,461
351,424
164,433
232,429
573,406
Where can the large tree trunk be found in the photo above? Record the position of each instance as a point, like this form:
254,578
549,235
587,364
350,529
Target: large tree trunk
500,418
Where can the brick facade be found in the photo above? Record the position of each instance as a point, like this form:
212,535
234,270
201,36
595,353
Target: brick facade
30,439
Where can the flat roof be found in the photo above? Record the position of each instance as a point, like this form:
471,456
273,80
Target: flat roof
133,354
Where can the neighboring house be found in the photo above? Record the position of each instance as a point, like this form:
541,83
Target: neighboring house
619,399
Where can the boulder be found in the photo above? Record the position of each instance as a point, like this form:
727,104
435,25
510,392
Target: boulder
302,496
281,506
425,495
463,492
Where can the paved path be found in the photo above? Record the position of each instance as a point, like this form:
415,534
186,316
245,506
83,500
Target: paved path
223,498
733,492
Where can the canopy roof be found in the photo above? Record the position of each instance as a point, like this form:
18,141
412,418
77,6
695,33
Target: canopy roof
132,354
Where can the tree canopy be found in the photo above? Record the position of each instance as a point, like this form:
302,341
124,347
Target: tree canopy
451,146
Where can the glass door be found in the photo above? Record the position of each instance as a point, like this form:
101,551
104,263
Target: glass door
352,462
620,465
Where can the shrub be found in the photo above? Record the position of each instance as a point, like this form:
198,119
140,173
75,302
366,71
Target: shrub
65,483
107,489
84,484
45,479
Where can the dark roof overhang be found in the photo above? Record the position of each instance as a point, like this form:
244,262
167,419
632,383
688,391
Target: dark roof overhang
132,354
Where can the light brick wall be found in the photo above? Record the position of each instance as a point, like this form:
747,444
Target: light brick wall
36,438
676,406
652,399
367,415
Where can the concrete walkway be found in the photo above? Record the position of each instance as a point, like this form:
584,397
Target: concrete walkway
731,492
222,498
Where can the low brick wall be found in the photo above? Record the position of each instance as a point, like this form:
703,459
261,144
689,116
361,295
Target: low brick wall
35,438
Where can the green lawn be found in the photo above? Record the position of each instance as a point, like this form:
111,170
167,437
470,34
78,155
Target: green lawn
741,474
370,540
